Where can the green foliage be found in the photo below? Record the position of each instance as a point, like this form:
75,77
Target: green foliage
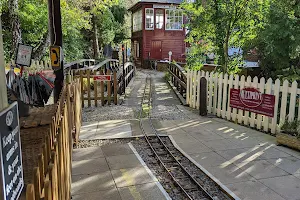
76,25
278,41
217,25
33,20
291,128
167,76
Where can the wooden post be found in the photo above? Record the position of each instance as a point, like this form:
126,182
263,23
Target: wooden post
115,88
88,73
37,183
95,90
3,92
81,87
47,190
102,90
203,96
109,89
55,30
30,195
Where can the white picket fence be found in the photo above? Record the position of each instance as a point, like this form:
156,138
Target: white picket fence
35,65
218,97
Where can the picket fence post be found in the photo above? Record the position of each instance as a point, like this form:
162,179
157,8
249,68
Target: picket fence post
188,86
210,85
225,95
262,90
292,108
240,115
284,101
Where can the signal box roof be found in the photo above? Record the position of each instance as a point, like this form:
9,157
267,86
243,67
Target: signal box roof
138,4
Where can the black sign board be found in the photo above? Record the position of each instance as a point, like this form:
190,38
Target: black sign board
10,154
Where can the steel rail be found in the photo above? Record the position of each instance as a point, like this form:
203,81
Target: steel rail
208,196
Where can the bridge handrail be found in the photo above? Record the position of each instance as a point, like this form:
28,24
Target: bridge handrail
99,65
178,77
179,67
178,74
68,65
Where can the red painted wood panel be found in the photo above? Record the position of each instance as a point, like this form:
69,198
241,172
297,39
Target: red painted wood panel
156,50
170,40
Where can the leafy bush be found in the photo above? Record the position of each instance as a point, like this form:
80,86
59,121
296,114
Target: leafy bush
167,76
291,128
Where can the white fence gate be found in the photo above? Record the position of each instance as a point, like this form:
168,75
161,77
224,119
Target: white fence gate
35,65
218,98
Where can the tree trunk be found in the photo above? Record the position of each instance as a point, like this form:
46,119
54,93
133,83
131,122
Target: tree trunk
95,39
15,25
226,47
40,51
3,92
225,57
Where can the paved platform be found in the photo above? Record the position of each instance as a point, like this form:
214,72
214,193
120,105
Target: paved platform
248,162
112,172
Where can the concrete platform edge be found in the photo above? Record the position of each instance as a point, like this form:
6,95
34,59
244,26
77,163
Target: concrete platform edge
204,170
149,172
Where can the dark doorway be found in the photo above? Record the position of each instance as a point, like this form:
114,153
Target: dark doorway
156,51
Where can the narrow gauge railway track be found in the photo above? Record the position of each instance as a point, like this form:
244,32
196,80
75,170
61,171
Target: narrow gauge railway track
167,157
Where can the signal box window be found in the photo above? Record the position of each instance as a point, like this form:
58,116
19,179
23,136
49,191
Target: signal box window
174,19
159,19
149,25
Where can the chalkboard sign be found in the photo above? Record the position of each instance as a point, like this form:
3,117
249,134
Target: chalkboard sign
10,154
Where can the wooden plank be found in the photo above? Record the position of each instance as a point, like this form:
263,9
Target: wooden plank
262,90
115,88
210,98
109,89
102,90
47,190
230,85
284,101
215,94
183,84
198,91
196,77
81,84
235,86
53,177
220,87
268,91
89,86
41,165
37,183
253,115
240,115
293,101
61,163
225,96
3,90
30,194
246,116
95,90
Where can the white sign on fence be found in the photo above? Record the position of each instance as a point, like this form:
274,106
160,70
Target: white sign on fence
24,55
218,98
